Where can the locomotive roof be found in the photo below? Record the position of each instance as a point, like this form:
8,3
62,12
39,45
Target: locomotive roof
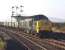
39,17
36,17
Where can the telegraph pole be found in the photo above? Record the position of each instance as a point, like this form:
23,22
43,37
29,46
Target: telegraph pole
12,15
19,15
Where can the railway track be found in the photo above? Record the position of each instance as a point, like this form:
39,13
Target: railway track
54,43
57,43
26,42
46,43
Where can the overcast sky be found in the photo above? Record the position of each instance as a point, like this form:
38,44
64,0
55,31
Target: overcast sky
53,9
